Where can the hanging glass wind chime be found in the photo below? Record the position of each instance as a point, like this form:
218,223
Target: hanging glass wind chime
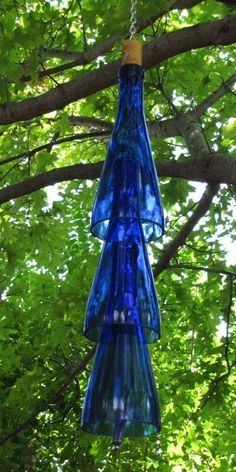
122,313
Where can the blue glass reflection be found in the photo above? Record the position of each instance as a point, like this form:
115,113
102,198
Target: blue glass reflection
129,143
121,398
123,291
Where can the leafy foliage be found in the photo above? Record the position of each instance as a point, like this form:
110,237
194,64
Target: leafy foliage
48,256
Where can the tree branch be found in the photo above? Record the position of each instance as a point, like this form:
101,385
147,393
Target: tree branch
214,96
181,237
163,128
193,134
219,32
85,57
213,270
44,406
215,169
90,122
100,49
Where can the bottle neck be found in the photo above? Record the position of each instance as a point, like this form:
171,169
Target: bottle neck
131,87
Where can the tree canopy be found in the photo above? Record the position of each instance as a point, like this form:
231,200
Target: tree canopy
58,86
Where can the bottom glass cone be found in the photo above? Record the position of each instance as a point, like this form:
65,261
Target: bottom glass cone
121,398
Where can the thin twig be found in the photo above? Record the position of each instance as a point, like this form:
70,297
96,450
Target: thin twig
83,26
49,145
100,49
30,421
214,96
219,378
199,268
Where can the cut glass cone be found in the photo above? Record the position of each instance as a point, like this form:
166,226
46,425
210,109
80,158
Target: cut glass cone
123,291
121,398
137,184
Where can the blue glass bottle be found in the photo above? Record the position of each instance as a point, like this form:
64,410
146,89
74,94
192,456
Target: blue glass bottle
122,313
121,398
130,142
123,291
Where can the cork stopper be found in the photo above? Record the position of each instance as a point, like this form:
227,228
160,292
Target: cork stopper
132,52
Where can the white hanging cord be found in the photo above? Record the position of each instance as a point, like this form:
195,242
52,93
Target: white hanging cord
133,18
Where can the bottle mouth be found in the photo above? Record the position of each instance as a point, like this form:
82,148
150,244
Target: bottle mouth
131,71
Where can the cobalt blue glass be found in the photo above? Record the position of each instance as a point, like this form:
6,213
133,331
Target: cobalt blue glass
123,291
121,398
130,143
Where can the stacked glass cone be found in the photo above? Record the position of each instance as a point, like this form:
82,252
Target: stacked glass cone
122,312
